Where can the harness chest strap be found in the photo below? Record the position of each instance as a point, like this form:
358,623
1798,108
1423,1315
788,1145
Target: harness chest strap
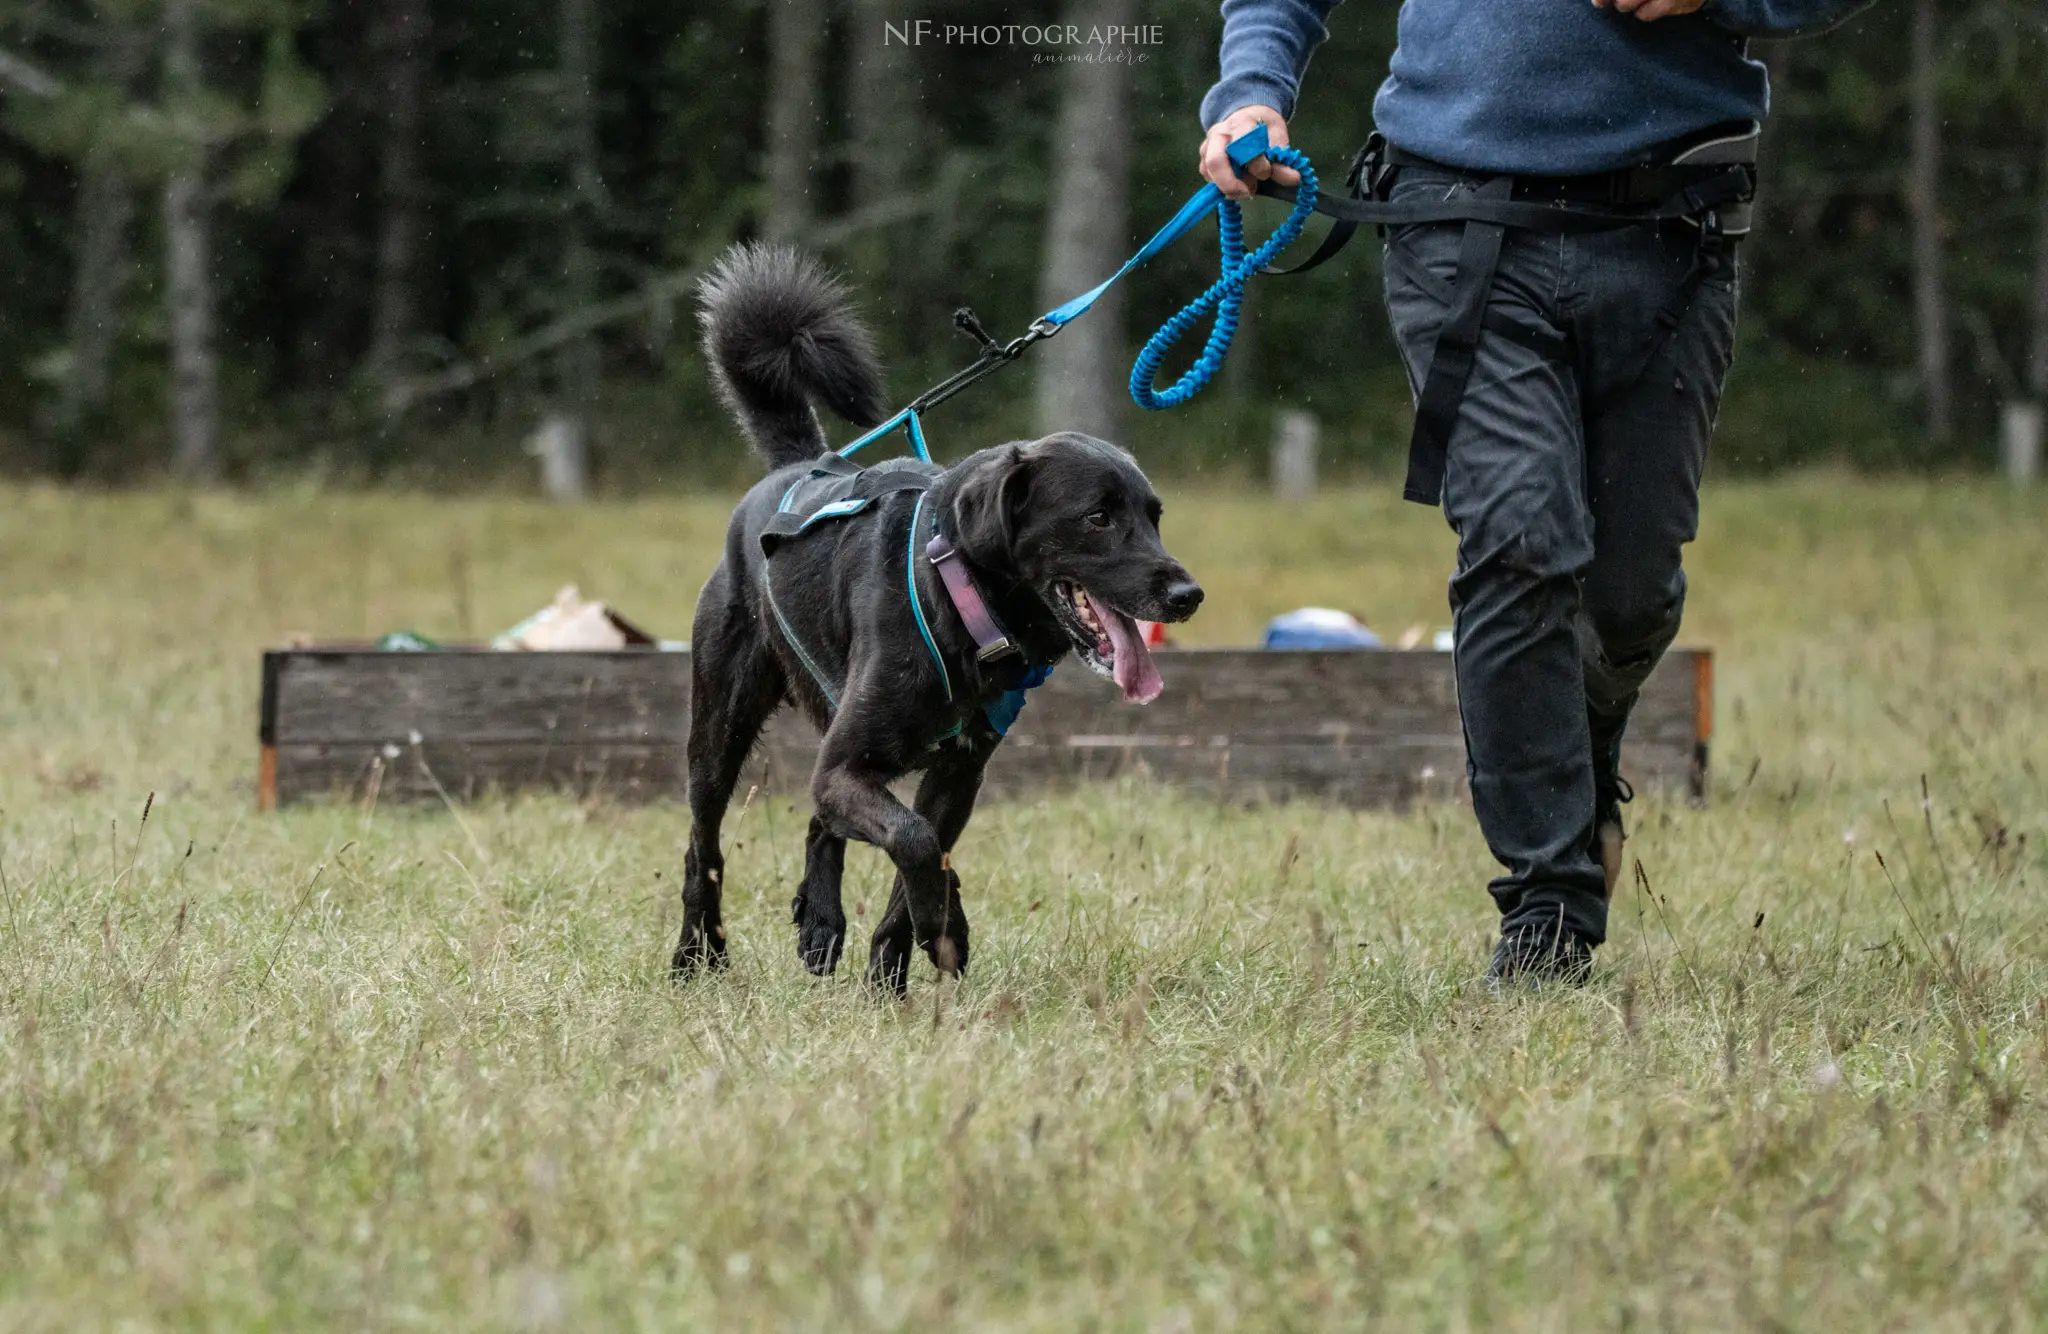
991,642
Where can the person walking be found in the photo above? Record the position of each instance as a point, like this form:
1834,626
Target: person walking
1566,380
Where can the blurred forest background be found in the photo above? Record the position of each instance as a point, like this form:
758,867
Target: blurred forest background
381,241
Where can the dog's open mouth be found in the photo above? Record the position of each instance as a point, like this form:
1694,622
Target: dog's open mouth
1109,642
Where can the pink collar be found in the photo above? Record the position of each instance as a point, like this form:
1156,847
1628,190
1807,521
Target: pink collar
990,641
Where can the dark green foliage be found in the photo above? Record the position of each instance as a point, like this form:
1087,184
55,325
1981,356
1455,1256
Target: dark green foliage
1827,369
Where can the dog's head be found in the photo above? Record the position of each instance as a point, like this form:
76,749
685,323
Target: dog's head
1072,520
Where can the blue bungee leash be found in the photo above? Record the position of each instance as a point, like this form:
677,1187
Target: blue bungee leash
1223,301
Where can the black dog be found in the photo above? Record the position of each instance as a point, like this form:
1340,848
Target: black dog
852,619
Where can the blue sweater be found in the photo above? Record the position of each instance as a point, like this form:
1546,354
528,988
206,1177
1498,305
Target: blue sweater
1540,87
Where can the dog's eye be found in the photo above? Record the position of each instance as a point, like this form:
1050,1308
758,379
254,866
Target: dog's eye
1099,519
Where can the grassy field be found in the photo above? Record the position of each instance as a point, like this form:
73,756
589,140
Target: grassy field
1213,1069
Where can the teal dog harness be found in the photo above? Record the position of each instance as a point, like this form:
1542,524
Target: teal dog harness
835,489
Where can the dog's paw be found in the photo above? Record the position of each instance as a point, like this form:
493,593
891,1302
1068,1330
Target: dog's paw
699,948
889,968
948,952
820,936
948,949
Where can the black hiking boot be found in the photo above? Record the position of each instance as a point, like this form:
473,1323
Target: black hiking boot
1539,957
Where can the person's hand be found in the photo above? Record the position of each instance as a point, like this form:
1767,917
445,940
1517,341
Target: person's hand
1650,9
1214,163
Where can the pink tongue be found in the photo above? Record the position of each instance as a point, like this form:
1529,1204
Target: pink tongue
1135,673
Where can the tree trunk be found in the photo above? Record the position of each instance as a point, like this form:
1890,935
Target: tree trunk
882,106
1923,191
1776,59
1081,373
886,134
106,203
796,36
2037,363
188,285
405,39
581,364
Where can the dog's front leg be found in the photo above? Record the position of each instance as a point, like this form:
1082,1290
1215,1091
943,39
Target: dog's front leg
945,796
857,804
818,913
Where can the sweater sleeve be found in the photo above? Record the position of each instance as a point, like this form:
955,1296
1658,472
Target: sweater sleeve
1266,46
1781,18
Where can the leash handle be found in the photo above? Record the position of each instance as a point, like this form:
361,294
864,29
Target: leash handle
1253,144
1226,295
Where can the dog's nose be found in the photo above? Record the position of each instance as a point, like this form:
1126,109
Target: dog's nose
1183,595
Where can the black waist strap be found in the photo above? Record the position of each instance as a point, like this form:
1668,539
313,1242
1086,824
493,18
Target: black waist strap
1466,314
1626,188
1636,197
1714,188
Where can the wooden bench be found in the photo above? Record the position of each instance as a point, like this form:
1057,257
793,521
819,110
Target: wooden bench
1364,729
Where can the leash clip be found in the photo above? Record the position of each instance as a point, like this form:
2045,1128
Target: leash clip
1040,330
967,322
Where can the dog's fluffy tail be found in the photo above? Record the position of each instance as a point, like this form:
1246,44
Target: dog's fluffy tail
782,334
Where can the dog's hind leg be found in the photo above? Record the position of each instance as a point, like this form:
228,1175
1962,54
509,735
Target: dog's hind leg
945,797
818,913
735,684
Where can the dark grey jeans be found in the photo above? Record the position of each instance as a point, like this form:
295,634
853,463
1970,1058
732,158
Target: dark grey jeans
1573,486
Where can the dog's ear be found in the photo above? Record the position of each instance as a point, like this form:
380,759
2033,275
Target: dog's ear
985,512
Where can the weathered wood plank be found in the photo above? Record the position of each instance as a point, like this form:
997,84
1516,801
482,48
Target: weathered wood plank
628,771
477,695
1362,729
